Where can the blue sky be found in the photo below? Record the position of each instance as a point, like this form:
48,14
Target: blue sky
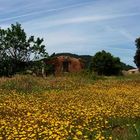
78,26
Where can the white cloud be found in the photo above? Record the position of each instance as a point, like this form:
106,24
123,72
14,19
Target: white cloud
49,23
89,19
41,11
60,38
122,32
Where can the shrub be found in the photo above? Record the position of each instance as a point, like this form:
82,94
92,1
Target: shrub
103,63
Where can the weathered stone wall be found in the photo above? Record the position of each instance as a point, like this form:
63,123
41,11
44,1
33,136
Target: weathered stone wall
73,64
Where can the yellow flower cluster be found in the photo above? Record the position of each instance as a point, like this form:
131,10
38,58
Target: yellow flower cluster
80,113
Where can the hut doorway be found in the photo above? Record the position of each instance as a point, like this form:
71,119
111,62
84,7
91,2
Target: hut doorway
65,66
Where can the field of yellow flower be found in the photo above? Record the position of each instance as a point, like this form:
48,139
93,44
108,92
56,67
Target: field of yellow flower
69,108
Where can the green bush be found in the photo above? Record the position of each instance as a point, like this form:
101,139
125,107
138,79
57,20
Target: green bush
103,63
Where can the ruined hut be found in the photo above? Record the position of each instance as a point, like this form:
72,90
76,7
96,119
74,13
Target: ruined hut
63,64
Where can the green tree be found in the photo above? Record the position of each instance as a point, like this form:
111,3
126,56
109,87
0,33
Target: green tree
16,49
105,64
137,55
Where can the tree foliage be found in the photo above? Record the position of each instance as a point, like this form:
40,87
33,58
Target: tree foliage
105,64
16,49
137,55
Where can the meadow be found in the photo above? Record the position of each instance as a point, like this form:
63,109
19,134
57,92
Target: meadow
71,107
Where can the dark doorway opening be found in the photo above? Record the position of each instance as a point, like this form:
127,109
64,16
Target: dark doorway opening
65,66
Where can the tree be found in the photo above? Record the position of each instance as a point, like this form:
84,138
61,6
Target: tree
105,64
15,44
17,48
137,55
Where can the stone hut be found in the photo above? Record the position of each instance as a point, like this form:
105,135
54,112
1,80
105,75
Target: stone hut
63,64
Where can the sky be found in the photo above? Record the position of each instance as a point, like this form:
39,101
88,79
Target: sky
81,27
